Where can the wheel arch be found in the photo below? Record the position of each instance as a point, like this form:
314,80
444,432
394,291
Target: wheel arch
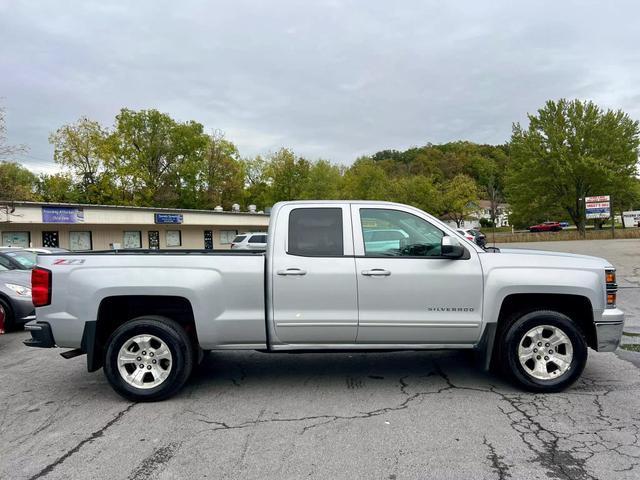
114,311
577,307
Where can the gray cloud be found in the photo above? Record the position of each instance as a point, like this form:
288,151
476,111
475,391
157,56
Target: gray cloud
331,79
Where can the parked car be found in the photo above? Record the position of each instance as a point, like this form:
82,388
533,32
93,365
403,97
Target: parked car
324,285
546,227
250,241
474,235
37,250
12,258
385,239
16,307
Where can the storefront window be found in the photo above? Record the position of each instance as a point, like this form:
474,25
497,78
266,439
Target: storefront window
80,241
15,239
227,236
174,238
132,239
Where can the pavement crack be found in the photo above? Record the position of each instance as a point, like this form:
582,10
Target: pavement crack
497,462
97,434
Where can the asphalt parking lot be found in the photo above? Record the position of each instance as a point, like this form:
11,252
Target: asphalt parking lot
389,416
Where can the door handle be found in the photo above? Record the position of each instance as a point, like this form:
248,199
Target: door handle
292,271
376,272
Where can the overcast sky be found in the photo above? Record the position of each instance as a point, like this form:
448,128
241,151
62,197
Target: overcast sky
329,79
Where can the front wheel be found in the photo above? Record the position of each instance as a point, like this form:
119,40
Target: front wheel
6,316
544,351
148,358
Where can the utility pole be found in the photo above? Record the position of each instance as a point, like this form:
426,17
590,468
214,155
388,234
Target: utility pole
613,218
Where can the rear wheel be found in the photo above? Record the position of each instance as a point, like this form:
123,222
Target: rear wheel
543,351
148,358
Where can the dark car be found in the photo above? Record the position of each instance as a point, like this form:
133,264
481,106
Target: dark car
17,259
16,307
546,227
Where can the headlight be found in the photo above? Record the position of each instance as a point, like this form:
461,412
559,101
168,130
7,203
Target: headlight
19,289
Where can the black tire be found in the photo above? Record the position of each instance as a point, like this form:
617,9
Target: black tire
9,320
175,338
512,337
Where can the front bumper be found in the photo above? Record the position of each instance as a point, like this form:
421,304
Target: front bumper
41,335
609,330
23,309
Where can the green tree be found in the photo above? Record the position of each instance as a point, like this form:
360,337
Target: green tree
81,147
58,187
16,182
157,156
287,176
571,149
223,173
323,182
366,180
256,183
458,198
418,191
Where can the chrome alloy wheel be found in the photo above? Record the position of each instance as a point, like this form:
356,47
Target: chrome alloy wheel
545,352
144,361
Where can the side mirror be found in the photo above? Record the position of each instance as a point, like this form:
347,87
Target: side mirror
450,247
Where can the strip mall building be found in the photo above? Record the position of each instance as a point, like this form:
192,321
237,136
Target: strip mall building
102,227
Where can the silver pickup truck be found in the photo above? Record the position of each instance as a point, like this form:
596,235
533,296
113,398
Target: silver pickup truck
336,276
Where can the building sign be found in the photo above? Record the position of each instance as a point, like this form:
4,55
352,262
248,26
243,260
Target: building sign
168,218
598,207
632,218
62,215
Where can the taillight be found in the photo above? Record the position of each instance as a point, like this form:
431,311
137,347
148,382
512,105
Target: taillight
40,287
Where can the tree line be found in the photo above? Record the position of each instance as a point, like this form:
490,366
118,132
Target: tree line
146,158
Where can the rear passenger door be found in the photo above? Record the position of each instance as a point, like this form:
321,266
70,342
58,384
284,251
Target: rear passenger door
313,276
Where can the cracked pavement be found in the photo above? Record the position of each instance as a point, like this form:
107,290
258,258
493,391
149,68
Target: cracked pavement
388,415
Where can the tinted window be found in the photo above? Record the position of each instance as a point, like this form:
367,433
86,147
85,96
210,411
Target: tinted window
315,232
5,264
412,236
26,259
258,239
239,238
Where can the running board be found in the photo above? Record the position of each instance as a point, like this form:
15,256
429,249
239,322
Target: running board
76,352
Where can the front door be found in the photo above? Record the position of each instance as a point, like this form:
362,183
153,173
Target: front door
313,276
407,292
154,239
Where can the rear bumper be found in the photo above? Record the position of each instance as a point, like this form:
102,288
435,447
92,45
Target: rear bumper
41,335
609,330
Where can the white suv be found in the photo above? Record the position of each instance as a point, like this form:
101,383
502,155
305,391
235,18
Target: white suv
250,241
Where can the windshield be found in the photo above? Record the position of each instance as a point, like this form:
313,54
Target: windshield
239,238
26,259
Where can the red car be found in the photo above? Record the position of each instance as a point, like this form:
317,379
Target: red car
546,227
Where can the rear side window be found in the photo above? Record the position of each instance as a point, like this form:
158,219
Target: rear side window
315,232
239,238
258,239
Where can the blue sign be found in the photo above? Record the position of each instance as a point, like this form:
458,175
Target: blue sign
62,215
168,217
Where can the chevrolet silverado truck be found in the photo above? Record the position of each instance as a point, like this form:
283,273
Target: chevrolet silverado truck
326,283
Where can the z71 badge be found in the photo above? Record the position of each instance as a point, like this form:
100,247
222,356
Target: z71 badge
68,261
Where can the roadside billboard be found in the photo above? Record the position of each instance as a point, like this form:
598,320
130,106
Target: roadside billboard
598,207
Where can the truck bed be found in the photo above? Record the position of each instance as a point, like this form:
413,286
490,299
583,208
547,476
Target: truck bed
224,289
